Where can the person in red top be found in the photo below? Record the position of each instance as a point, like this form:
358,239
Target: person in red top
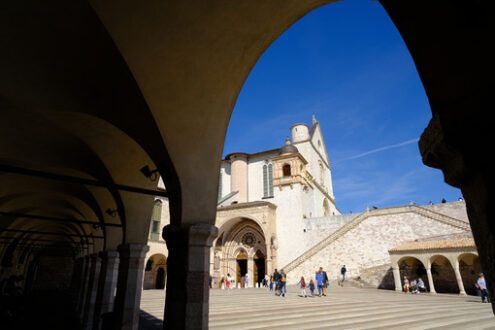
302,285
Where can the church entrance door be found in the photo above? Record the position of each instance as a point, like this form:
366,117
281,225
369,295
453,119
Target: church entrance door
241,267
259,267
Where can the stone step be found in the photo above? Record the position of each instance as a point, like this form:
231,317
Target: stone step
338,317
420,320
288,313
362,321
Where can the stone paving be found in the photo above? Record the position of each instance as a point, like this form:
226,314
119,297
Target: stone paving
343,308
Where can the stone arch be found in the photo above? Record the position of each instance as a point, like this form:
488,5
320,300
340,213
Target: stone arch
119,79
443,274
469,267
155,273
412,268
240,234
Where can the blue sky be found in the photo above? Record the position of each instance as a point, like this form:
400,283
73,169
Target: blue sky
347,64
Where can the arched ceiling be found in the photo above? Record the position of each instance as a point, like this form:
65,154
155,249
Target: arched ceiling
74,132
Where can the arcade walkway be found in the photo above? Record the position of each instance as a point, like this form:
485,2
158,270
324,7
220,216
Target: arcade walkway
344,308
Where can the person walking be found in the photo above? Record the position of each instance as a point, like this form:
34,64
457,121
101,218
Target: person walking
228,280
276,279
283,287
302,286
312,287
325,281
319,282
483,289
343,270
246,281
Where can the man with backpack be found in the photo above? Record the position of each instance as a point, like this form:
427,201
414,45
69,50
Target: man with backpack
283,287
276,278
325,281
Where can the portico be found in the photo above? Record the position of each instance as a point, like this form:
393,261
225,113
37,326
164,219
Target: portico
438,259
245,244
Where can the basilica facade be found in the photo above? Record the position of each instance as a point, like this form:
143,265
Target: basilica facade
276,209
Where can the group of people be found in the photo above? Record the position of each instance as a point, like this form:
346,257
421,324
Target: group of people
228,282
419,286
278,283
415,286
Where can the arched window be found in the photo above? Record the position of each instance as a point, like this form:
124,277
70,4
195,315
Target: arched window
286,170
267,179
156,220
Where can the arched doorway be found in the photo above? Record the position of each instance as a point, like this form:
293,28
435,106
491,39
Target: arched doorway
155,272
259,267
241,250
469,267
412,269
443,275
241,269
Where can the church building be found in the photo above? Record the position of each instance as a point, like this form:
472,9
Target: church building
276,210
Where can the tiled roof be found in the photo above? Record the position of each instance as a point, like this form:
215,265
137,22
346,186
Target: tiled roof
436,245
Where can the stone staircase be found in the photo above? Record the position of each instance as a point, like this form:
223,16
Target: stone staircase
343,308
372,213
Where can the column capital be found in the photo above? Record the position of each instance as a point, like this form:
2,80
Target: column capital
109,254
133,250
174,237
436,152
202,234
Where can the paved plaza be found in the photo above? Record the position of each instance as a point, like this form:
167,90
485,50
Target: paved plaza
343,308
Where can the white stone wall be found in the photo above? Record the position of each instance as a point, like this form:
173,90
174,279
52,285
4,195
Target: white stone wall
368,244
455,209
225,177
289,222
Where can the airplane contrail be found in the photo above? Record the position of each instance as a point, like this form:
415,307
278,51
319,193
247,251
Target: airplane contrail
379,149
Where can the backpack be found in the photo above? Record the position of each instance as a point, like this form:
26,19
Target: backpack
303,284
283,279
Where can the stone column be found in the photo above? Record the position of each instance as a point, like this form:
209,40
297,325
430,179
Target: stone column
188,263
106,286
269,267
84,286
458,277
250,271
92,288
430,280
129,285
398,283
448,143
76,279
